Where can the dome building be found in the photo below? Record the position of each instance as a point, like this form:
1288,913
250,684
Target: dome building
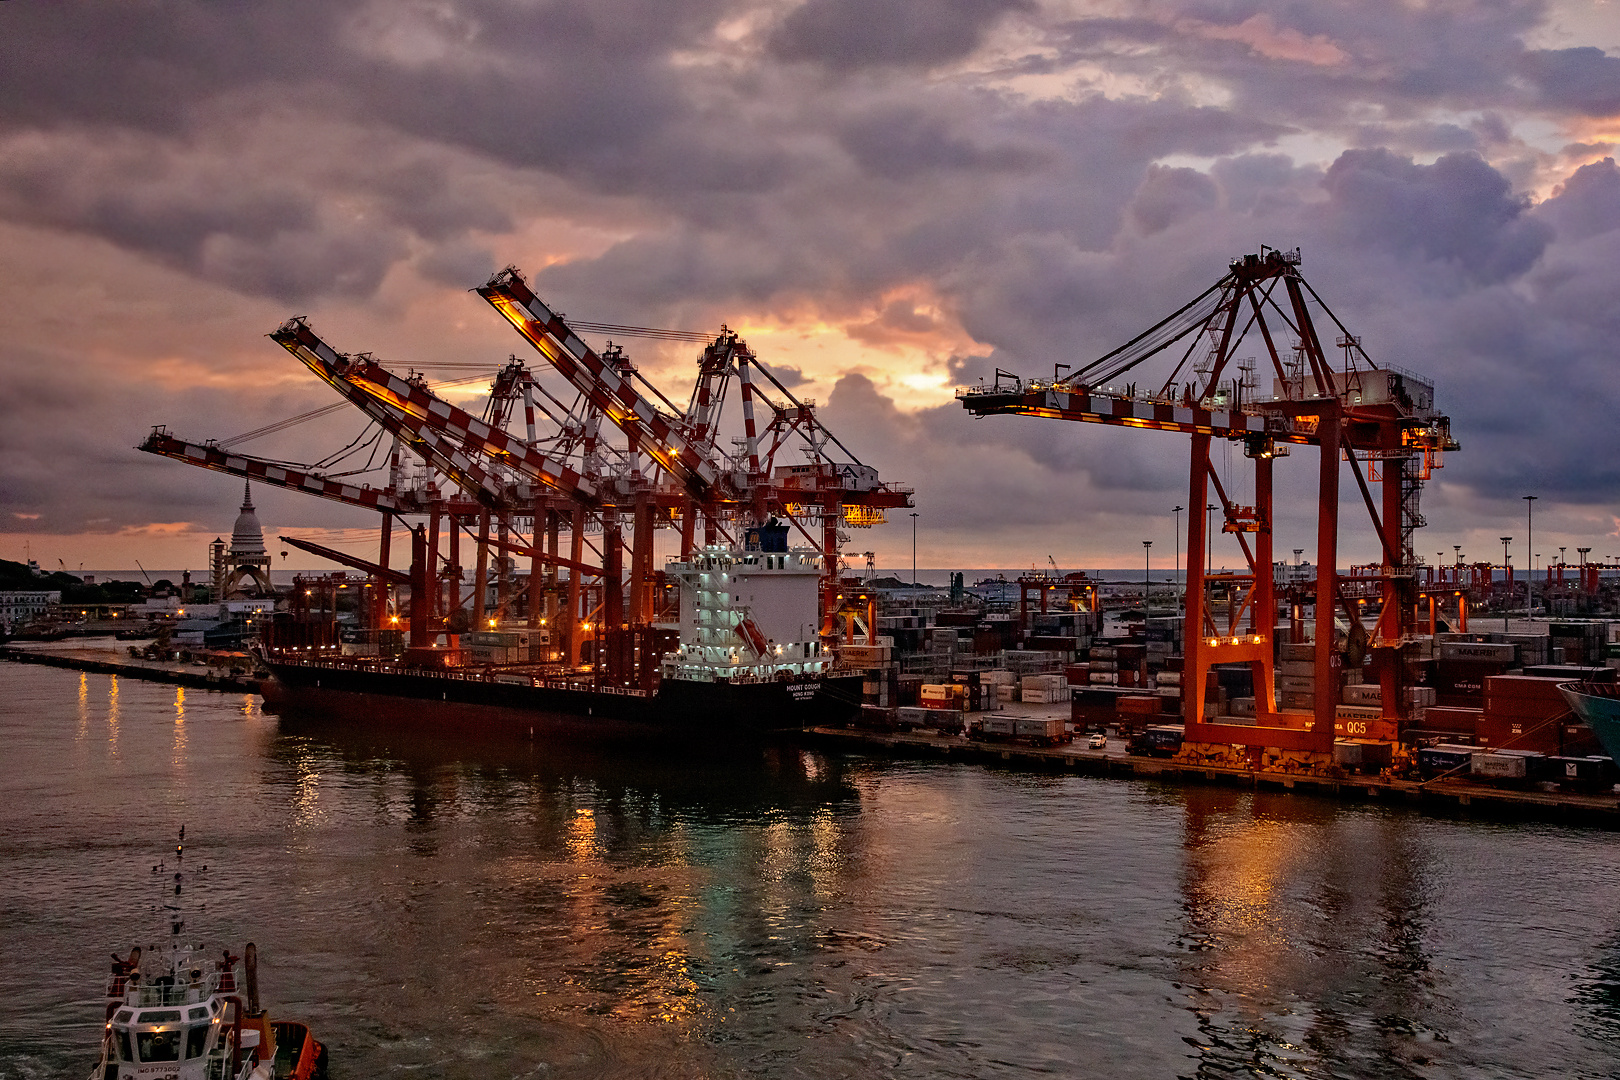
244,570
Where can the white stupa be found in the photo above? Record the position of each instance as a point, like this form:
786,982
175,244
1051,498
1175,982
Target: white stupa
248,560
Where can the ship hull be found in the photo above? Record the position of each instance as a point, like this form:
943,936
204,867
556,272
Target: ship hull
1598,705
679,708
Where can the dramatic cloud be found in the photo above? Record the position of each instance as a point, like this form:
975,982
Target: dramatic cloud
849,34
887,197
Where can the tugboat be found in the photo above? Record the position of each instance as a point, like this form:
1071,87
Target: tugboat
183,1015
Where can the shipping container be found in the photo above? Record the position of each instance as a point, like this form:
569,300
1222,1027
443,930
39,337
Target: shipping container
1587,772
1364,755
1364,694
1452,719
877,718
1160,740
913,716
1445,758
1501,764
1572,673
1479,651
1041,730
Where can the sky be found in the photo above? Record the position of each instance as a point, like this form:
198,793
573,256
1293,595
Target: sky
886,198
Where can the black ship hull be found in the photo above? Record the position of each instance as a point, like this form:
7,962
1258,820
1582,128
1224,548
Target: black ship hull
520,705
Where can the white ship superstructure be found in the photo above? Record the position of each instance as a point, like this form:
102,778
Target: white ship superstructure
747,614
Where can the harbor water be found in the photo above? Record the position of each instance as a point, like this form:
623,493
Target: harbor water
435,907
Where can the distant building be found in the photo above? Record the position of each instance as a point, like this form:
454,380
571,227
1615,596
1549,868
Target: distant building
244,570
18,607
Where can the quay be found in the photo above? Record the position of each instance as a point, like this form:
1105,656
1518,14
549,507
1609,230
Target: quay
1449,796
105,661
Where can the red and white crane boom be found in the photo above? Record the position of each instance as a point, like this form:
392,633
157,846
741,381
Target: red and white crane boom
649,429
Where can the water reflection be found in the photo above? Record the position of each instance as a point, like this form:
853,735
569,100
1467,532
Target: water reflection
179,728
638,887
1597,991
113,716
1306,929
463,909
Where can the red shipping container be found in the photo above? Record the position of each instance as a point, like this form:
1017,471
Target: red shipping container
1449,718
1519,733
1522,688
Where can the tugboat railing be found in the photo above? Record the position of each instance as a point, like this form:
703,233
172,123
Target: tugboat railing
154,994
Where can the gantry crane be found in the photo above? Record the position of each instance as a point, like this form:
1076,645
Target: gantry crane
684,444
1376,416
570,477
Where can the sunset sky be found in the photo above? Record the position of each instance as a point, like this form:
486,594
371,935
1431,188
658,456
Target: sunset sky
887,198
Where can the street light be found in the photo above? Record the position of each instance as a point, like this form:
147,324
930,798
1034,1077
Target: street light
1177,511
1530,545
1147,574
914,548
1505,541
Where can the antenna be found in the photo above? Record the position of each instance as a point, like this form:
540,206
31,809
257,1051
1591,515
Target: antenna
176,920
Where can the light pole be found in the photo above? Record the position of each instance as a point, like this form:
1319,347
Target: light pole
1505,541
1530,546
1177,511
914,549
1147,574
1209,539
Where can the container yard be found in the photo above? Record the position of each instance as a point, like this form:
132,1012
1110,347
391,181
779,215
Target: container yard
1302,671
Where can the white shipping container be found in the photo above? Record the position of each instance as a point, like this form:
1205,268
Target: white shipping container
1501,766
1479,650
1041,727
1103,678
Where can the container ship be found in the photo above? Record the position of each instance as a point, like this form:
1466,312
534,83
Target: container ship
1598,704
745,657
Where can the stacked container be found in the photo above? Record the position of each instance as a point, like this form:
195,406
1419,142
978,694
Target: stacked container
1043,689
1296,676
